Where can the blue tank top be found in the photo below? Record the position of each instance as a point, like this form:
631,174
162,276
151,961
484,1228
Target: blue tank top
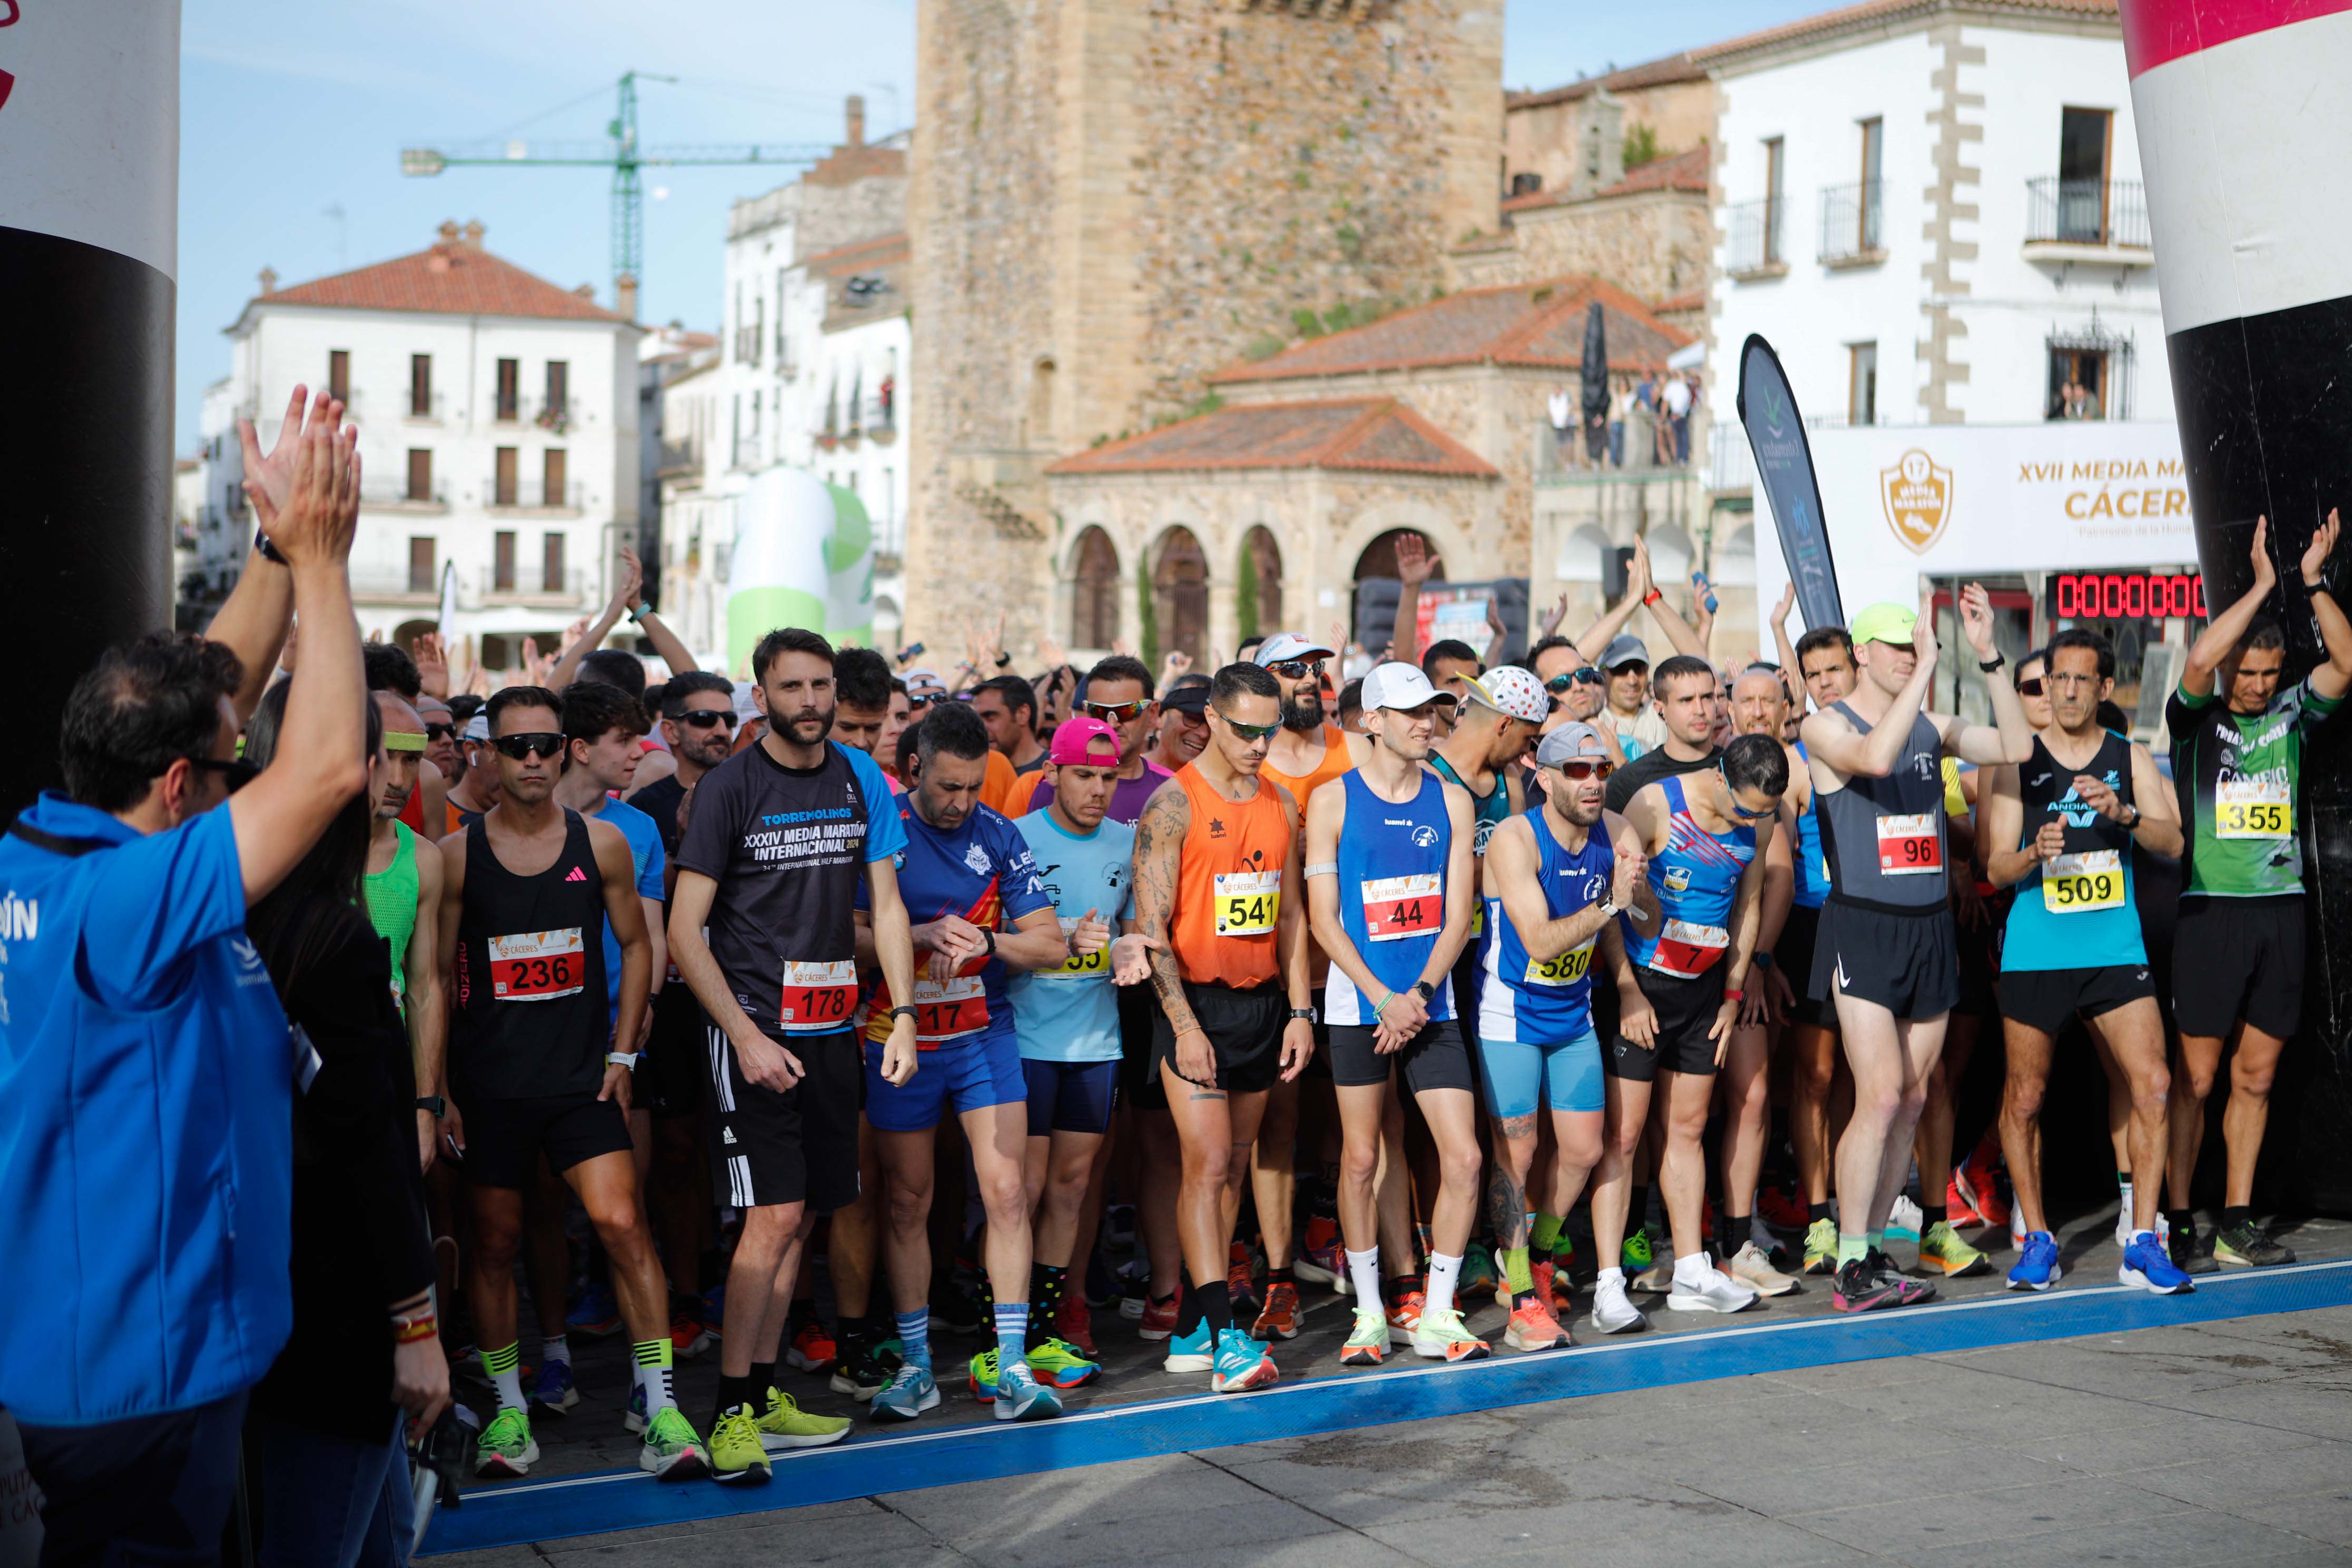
2079,911
1813,862
1551,1000
1693,878
1391,895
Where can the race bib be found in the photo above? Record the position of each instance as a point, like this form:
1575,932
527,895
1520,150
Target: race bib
818,996
1566,969
538,967
1477,919
950,1009
1689,950
1248,902
1909,845
2253,808
2076,884
1092,966
1397,907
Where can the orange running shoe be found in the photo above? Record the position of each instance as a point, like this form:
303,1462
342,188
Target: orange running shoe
1405,1317
1280,1318
1533,1328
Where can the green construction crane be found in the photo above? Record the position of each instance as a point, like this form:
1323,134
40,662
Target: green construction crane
622,154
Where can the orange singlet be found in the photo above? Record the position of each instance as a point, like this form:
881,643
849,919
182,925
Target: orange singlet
1229,886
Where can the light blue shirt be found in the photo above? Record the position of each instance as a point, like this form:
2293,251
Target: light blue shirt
1071,1014
646,855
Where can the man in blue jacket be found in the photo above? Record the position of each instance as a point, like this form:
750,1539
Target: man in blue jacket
146,1073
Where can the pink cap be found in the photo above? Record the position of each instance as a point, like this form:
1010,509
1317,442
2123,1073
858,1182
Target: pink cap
1073,741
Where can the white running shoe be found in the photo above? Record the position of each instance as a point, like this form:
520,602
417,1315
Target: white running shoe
1752,1267
1611,1313
1656,1280
1713,1292
1760,1235
1905,1221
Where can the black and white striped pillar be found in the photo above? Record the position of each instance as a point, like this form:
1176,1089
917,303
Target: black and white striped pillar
2245,141
89,182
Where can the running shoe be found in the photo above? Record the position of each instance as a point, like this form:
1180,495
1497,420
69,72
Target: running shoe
1710,1291
1323,1257
2037,1266
1441,1336
1279,1320
1102,1284
1779,1208
1942,1247
635,1420
1134,1285
1611,1313
671,1451
506,1447
2147,1265
1820,1246
1656,1280
1908,1291
1118,1225
1977,1177
911,1390
597,1314
1959,1204
1860,1289
1562,1294
2191,1254
737,1454
859,1372
787,1426
714,1311
1405,1317
1240,1365
687,1335
1195,1351
2248,1246
1533,1328
1478,1276
553,1391
811,1349
1158,1320
955,1305
1904,1219
1241,1289
1058,1364
1541,1277
1750,1266
1074,1323
1019,1396
1368,1342
1637,1253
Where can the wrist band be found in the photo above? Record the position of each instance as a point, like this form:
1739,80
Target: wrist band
902,1012
1653,596
621,1059
1384,1002
1323,868
1995,662
990,932
415,1331
1731,996
268,551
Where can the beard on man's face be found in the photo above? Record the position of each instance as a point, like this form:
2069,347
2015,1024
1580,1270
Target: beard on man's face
1302,710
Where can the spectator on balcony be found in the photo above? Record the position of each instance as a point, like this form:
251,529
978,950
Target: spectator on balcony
1560,407
1620,405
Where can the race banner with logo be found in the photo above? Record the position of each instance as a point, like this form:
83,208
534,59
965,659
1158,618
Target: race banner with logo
1784,473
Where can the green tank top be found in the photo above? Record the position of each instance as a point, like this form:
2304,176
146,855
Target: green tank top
1492,809
392,906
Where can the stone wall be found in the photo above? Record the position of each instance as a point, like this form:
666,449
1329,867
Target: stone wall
1654,244
1541,131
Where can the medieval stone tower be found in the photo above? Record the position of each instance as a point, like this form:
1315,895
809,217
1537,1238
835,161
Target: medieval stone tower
1112,198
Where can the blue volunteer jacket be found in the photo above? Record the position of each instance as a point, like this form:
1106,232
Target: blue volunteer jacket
146,1121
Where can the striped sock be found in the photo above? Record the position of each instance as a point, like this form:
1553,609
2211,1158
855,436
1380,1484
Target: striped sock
652,1357
915,1336
505,1367
1011,1334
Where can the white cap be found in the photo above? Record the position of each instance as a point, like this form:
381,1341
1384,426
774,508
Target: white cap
1513,692
477,728
1402,686
747,703
1284,646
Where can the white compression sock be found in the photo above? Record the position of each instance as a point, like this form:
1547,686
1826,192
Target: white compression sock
1442,1272
1690,1268
1364,1270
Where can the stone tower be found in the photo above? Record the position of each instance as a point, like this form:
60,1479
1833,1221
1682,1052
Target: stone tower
1112,198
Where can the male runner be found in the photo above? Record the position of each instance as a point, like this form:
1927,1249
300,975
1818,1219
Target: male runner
1214,853
403,897
541,1061
861,698
1683,705
965,870
2237,765
1885,940
1007,704
1823,659
1118,694
2062,826
476,789
1390,875
1556,878
1704,835
780,838
1183,722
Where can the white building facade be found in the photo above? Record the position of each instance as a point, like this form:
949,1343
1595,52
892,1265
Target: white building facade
499,424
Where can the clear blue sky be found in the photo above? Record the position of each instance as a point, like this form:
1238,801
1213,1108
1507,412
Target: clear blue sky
293,115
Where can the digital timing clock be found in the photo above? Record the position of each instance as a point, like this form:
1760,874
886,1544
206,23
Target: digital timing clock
2126,595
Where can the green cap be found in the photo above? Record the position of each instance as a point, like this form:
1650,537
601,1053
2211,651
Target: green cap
1884,622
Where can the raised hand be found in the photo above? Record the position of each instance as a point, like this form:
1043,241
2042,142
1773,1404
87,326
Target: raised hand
1553,616
630,589
2265,574
1174,668
1051,654
1413,561
1788,602
1922,630
275,473
1976,619
317,514
432,665
2322,545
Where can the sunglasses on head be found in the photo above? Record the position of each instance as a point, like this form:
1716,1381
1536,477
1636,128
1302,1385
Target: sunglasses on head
2031,687
1587,767
437,731
1297,669
707,718
237,773
1115,713
546,742
1248,732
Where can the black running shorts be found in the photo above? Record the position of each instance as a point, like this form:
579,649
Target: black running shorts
1138,1081
1687,1010
2049,999
799,1145
1906,961
2239,958
1244,1030
1792,955
1436,1058
676,1061
504,1138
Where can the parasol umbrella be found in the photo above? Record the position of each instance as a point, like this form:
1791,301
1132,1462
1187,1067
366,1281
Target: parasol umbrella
1596,384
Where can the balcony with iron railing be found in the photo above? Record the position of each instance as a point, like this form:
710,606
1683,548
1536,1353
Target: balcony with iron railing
681,456
534,495
395,492
394,584
1756,239
529,584
2087,220
1853,225
433,410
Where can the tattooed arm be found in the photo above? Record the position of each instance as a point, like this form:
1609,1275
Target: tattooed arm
1158,853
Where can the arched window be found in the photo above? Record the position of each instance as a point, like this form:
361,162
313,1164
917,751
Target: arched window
1375,608
1093,592
1259,614
1180,593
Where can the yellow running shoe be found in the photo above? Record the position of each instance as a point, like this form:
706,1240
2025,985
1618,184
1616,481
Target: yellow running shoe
1943,1247
787,1426
736,1451
1821,1247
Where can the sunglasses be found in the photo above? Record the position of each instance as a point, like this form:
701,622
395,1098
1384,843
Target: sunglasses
546,742
1588,676
1587,768
1298,668
435,730
707,718
1738,810
1248,732
237,773
917,702
1115,713
2030,686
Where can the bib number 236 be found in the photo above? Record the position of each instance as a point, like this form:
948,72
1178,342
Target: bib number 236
538,967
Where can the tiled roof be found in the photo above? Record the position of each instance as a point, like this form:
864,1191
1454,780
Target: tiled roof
1694,300
1677,172
1654,73
1375,435
1873,12
453,277
1538,325
858,258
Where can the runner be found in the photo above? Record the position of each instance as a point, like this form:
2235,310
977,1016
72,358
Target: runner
1554,885
477,790
1684,706
1183,722
1824,660
2062,826
861,698
779,838
1690,958
403,884
1638,726
1390,901
540,1066
965,872
2237,766
1214,853
1886,941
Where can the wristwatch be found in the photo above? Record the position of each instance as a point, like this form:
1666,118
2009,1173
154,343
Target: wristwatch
902,1010
268,551
1989,665
1305,1013
990,932
437,1104
1609,906
1428,992
2133,825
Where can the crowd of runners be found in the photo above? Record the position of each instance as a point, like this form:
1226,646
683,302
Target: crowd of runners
1404,987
